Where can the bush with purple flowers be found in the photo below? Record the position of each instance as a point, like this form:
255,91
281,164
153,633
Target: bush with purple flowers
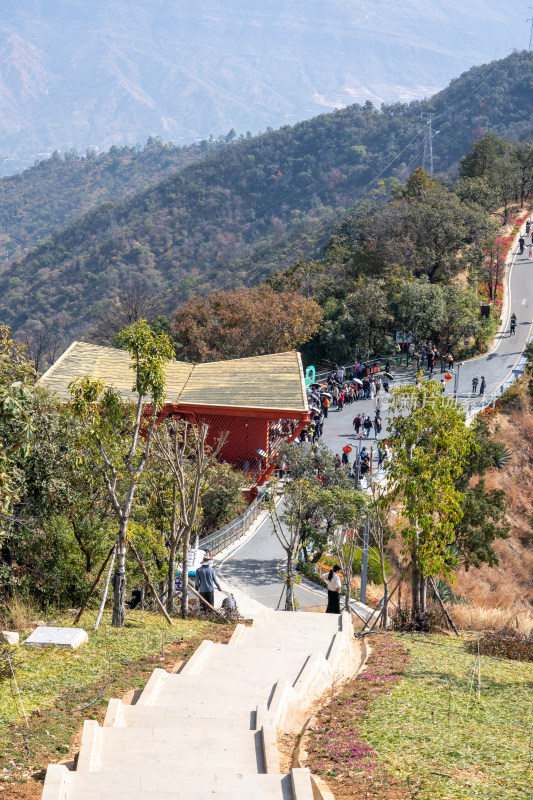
335,747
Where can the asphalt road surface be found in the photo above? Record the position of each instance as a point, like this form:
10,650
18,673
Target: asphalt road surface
255,569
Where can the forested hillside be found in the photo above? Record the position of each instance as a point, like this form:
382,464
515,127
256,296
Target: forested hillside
58,190
256,205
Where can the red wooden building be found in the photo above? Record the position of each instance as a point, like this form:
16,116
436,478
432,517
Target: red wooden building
261,402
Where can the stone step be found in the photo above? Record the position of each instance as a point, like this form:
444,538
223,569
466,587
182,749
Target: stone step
285,640
177,785
197,691
190,716
305,620
251,655
125,749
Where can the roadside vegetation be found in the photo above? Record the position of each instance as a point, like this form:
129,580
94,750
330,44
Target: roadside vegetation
428,720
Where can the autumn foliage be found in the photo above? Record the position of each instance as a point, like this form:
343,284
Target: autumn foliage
244,322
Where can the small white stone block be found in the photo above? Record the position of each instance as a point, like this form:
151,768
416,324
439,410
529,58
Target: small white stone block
9,637
45,636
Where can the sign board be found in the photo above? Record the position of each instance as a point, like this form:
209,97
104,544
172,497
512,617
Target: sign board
309,376
518,371
72,638
402,337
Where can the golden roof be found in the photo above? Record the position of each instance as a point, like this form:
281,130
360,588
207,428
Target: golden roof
273,381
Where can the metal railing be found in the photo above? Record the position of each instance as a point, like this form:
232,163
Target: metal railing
397,360
219,540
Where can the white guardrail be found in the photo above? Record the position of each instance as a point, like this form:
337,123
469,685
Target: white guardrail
219,540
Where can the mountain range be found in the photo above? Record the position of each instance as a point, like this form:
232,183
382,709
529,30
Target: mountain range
233,216
93,73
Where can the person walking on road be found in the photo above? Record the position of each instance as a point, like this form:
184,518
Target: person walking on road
377,425
482,386
205,582
357,424
530,252
521,243
449,357
333,582
512,331
325,406
475,382
368,425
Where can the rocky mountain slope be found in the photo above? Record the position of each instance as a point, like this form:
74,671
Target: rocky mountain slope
82,73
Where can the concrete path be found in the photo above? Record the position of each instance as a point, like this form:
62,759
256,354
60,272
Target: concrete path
211,730
255,568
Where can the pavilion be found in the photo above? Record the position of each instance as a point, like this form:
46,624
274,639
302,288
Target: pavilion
260,401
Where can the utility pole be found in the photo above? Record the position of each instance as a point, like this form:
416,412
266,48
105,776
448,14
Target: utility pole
531,30
427,161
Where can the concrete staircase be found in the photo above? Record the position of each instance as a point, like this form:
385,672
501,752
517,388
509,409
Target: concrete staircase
210,731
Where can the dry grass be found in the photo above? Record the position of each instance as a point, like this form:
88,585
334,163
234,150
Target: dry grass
509,584
19,613
479,618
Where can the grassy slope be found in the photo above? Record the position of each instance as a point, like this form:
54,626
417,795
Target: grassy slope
450,747
53,682
510,584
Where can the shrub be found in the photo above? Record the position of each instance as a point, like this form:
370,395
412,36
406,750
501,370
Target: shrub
504,644
222,500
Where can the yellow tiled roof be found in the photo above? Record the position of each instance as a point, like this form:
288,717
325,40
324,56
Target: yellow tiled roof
273,381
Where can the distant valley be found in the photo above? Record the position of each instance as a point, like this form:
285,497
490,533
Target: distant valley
231,216
93,73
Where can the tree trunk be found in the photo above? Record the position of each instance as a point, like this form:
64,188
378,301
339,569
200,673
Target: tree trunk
93,587
415,584
289,584
423,594
171,576
173,541
185,575
119,579
385,606
106,589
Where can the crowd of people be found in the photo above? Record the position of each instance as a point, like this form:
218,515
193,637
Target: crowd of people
345,387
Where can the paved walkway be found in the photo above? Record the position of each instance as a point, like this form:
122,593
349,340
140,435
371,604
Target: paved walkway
255,568
210,731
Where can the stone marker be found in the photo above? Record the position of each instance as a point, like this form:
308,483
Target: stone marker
9,637
57,637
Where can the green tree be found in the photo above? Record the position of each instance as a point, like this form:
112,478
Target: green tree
117,435
482,156
418,308
460,316
429,451
16,379
484,510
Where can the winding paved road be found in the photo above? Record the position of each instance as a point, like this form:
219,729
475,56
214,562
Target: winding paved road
254,567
